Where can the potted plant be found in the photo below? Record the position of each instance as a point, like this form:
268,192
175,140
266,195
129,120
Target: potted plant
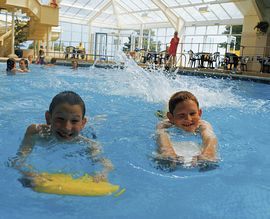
262,27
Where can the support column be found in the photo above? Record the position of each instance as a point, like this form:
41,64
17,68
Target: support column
254,44
12,55
35,49
90,42
6,21
48,41
149,39
141,36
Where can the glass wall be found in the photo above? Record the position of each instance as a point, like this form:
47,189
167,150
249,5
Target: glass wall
218,38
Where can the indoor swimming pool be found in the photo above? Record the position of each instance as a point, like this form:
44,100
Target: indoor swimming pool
121,106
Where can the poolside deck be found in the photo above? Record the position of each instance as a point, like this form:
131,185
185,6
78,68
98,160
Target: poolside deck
203,72
221,73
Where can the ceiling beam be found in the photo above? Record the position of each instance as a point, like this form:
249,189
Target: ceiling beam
116,14
100,11
172,18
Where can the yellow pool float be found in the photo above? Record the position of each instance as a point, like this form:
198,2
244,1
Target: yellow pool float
65,184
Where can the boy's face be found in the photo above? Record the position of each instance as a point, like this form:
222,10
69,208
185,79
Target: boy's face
66,121
186,116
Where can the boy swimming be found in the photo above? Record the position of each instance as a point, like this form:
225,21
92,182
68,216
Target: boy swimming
64,121
185,114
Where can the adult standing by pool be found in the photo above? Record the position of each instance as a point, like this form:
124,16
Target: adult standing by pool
172,49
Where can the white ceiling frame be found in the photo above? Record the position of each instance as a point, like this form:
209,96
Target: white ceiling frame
116,14
100,11
172,18
129,13
79,7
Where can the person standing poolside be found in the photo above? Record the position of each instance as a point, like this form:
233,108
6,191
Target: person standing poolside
173,49
185,114
41,56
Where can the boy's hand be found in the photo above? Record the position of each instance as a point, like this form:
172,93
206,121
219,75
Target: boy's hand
100,177
206,157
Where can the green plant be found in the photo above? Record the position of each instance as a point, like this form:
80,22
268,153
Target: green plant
21,32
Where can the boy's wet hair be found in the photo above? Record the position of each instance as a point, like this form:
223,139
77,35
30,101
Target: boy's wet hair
179,97
69,97
10,64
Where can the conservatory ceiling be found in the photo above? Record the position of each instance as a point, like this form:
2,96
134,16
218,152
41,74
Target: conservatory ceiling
127,14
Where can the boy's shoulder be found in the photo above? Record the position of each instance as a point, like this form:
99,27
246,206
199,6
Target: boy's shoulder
36,129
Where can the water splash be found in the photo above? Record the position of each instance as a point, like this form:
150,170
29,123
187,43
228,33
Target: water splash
154,86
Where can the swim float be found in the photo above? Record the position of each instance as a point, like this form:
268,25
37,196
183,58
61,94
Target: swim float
65,184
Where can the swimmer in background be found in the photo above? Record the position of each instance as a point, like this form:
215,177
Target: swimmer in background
74,64
30,59
65,119
185,114
51,63
11,67
24,65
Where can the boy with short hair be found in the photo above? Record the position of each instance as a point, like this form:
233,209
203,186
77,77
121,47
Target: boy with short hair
65,119
184,113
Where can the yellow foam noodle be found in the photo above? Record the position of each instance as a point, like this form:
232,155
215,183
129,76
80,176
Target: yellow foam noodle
65,184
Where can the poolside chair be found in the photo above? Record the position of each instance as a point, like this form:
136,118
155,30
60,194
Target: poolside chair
243,63
216,59
192,58
70,50
231,59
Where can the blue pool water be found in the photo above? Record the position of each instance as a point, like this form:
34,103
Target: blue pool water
121,105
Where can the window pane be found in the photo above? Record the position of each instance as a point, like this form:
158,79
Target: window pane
200,30
212,30
76,37
190,30
76,27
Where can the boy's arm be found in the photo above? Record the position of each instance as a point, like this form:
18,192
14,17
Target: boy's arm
209,142
28,141
26,147
94,150
165,147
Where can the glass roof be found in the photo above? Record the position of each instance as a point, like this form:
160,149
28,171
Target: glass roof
126,14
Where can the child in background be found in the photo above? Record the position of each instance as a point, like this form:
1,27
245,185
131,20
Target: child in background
52,62
11,66
185,114
30,59
65,119
74,64
24,65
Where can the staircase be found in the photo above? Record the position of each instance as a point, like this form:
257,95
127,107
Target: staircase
42,17
5,42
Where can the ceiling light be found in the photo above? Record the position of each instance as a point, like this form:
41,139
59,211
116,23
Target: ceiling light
144,14
204,9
